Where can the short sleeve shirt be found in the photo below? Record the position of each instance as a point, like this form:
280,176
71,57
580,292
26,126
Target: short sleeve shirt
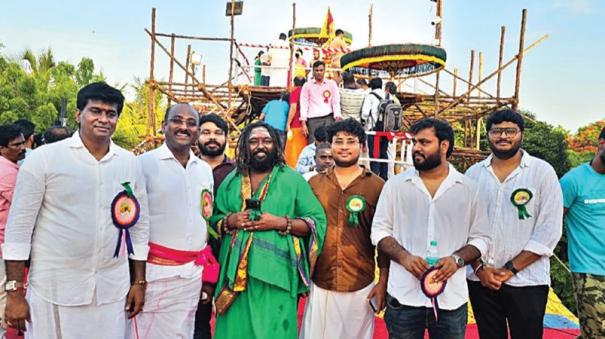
584,198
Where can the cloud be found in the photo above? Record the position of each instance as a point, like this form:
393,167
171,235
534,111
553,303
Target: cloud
577,6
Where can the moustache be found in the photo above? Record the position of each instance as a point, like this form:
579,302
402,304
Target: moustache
212,143
262,150
184,131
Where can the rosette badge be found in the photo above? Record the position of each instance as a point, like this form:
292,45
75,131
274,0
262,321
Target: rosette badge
355,204
125,212
207,204
520,198
432,289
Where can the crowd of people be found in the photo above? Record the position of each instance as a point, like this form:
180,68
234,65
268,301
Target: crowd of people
154,246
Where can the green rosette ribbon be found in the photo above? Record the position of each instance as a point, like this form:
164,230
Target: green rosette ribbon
520,198
355,205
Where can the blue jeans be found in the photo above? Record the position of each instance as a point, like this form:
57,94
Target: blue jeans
407,322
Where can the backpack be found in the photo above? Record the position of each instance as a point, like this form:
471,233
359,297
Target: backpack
390,114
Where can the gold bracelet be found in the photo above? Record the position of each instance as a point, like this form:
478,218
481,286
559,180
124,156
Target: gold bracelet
139,282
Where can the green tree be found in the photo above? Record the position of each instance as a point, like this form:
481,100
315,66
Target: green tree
133,123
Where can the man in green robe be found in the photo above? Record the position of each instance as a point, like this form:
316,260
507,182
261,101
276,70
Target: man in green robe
273,229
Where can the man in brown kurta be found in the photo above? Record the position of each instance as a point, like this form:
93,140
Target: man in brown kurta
344,298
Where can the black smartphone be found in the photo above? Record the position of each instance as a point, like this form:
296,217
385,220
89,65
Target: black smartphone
252,204
372,303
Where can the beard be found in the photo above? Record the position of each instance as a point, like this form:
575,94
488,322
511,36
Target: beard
346,163
504,155
212,152
263,165
430,161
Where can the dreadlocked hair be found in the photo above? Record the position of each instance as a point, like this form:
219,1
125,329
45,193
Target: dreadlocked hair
243,154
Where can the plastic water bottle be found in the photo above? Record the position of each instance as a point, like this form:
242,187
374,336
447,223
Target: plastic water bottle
431,256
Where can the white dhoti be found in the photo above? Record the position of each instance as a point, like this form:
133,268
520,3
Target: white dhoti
170,303
52,321
335,315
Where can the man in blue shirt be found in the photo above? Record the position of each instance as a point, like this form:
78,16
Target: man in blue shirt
584,202
275,113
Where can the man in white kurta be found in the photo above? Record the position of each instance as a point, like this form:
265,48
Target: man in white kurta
176,180
61,216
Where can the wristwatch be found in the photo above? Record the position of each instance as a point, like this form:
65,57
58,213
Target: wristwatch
459,261
509,266
12,285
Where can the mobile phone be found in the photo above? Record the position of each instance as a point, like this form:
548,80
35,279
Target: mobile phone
373,303
252,204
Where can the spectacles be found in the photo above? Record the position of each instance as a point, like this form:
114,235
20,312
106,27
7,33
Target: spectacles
349,142
179,121
511,131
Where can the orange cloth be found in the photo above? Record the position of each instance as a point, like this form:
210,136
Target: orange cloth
294,146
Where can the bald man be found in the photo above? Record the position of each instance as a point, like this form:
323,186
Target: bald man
177,183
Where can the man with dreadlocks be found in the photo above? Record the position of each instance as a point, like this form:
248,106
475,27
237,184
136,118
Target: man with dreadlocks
273,229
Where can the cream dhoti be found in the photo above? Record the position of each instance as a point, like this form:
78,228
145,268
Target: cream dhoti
174,282
338,315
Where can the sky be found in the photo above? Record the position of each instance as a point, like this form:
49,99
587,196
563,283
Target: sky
562,81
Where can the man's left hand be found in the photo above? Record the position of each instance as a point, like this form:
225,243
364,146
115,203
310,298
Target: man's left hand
379,293
503,274
447,267
135,300
337,118
266,222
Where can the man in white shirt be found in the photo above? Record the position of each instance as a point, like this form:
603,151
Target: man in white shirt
178,185
432,204
323,160
280,59
525,208
73,202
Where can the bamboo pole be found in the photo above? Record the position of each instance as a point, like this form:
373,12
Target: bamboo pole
438,27
520,59
290,69
171,72
150,99
500,57
455,77
470,74
480,71
232,24
187,63
513,59
189,37
370,14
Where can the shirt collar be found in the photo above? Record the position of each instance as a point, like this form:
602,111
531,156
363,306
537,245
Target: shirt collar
164,153
452,177
319,83
76,142
9,163
525,160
